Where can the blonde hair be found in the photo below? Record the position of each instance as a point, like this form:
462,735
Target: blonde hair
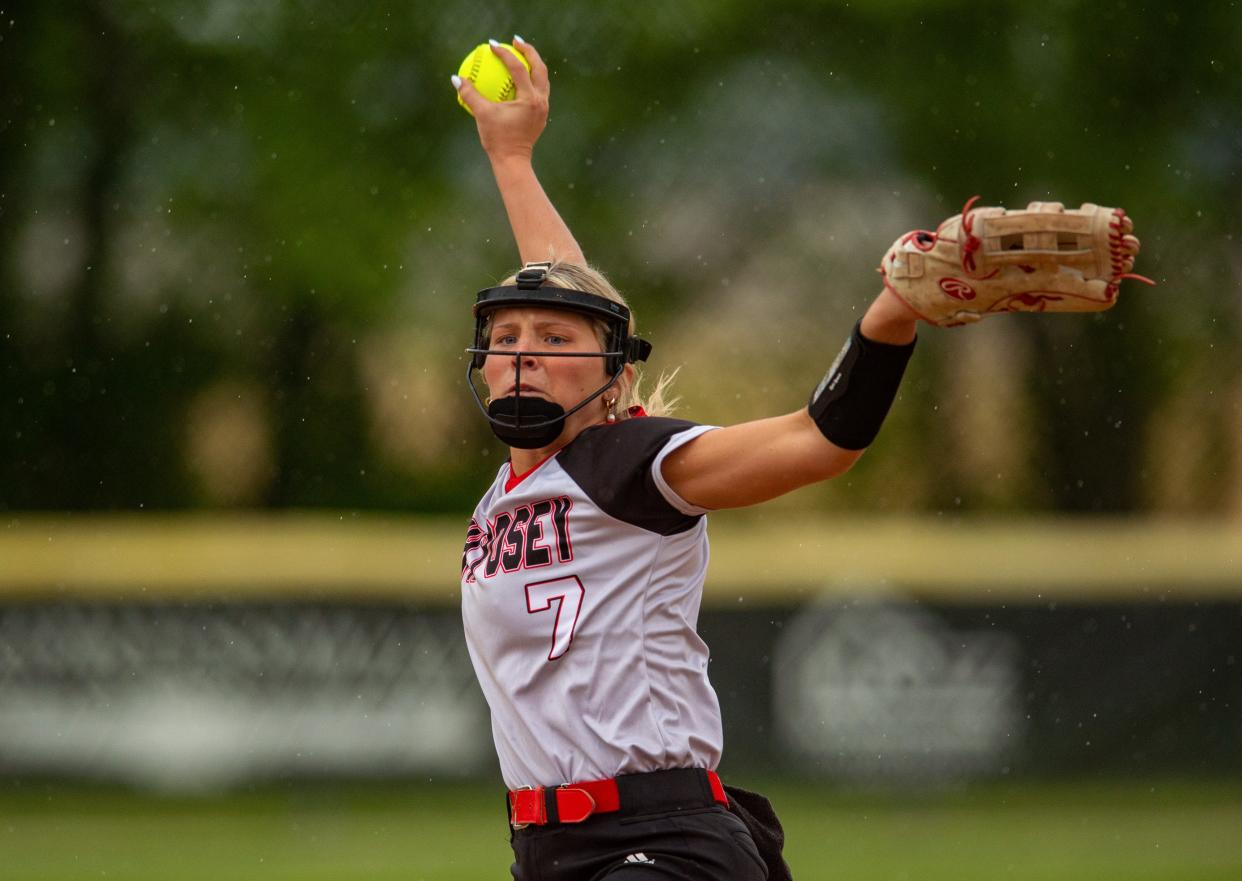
578,277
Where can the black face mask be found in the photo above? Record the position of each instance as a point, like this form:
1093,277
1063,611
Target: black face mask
526,423
529,423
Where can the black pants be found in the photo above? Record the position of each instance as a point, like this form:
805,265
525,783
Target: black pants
664,831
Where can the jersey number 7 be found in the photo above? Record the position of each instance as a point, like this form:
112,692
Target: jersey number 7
567,594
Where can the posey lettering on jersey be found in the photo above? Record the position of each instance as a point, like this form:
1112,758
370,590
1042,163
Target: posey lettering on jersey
528,537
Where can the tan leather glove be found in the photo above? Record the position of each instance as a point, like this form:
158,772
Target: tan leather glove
985,261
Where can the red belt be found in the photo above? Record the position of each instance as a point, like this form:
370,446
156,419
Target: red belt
574,802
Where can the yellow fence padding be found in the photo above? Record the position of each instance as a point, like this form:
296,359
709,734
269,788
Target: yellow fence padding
762,559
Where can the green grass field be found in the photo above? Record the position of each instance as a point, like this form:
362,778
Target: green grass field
1150,831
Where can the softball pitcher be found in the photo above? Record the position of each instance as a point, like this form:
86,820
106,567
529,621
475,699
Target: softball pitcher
584,562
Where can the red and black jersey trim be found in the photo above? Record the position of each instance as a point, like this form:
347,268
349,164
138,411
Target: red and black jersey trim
612,465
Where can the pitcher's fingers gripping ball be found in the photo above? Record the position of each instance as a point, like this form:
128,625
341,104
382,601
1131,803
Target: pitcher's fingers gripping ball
986,261
488,74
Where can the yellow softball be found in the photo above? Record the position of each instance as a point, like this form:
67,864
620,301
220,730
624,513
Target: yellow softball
489,75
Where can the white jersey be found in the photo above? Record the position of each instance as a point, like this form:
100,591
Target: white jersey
580,589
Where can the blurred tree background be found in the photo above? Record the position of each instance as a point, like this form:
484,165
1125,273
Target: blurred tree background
239,239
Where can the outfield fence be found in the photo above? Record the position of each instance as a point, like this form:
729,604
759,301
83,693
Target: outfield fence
192,654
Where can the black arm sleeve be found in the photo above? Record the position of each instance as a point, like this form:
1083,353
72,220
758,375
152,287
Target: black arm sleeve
855,395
